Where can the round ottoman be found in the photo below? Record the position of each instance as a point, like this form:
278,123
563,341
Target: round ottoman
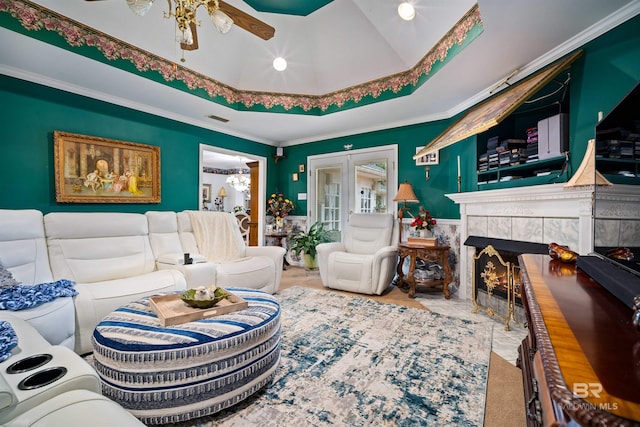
175,373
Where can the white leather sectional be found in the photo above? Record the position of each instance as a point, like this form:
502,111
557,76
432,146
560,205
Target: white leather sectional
113,258
44,385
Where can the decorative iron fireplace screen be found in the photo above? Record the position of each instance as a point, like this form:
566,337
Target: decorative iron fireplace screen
493,285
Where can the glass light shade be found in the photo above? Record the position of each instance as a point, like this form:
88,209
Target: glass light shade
221,21
280,64
406,11
222,192
140,7
239,182
187,36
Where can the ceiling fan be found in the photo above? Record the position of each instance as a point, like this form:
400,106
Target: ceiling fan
222,14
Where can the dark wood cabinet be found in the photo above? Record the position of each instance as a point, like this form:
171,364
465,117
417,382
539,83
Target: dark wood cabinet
581,359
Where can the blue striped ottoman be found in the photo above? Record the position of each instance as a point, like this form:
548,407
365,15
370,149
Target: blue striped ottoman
172,374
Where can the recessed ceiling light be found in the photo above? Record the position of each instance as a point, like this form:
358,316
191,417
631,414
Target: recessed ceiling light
280,63
406,11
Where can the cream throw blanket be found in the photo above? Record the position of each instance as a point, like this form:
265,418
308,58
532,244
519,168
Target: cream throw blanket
217,235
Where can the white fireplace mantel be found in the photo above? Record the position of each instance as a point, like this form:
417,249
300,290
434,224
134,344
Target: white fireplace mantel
548,213
540,214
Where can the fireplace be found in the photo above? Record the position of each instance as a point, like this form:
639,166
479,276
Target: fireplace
538,215
496,276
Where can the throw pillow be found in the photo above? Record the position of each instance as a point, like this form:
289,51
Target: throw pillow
6,278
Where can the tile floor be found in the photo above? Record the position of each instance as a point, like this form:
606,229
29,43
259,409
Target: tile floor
505,343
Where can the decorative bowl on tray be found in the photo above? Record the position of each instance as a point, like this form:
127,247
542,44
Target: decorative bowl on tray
204,297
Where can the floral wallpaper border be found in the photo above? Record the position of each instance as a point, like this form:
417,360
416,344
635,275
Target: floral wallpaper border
34,17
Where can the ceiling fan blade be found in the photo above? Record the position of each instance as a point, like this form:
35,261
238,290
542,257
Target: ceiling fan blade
194,45
247,22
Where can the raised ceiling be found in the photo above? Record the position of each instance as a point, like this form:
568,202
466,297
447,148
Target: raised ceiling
340,45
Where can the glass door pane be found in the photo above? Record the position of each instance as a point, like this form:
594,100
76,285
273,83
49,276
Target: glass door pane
370,190
329,197
356,181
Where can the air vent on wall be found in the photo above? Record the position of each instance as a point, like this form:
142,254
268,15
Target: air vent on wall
220,119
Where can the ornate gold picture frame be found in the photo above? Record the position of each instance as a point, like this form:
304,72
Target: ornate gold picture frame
90,169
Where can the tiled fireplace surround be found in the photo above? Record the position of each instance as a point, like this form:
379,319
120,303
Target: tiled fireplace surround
544,214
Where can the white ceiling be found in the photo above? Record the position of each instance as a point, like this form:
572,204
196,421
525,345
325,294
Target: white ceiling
342,44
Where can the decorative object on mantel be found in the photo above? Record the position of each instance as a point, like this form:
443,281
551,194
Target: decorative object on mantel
587,173
621,253
405,194
562,253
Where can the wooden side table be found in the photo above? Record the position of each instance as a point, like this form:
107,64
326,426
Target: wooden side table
279,239
438,254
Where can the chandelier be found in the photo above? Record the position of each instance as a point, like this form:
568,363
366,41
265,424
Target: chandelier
185,13
239,181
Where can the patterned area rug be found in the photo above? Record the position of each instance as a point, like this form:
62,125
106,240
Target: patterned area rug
352,361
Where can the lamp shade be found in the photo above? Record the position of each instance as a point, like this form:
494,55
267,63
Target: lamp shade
222,192
221,21
405,194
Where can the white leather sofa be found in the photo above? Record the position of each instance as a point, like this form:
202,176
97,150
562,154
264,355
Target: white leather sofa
365,261
109,257
258,267
31,396
115,258
166,246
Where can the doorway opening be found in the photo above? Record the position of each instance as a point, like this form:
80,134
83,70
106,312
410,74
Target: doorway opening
228,182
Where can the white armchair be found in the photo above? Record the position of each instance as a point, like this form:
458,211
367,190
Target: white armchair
365,261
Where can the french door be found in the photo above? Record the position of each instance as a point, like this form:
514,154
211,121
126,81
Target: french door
357,181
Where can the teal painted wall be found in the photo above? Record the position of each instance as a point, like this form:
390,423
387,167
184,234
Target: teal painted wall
30,113
608,70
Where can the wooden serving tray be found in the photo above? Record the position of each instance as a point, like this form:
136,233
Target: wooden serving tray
171,310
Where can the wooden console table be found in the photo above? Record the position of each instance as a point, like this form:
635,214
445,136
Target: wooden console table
439,254
581,359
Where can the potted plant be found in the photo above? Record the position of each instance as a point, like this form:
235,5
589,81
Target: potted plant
306,243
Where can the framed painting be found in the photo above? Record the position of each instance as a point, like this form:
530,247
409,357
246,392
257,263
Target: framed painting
206,193
90,169
432,158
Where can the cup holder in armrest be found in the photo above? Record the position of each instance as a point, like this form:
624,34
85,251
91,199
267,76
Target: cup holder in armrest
42,378
29,363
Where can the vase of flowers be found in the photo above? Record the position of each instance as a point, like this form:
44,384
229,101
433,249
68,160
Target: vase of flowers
423,222
279,206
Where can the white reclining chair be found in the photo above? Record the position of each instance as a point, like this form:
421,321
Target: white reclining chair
365,261
23,252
